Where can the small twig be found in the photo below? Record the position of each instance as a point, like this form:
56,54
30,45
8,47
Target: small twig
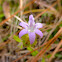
38,56
16,13
21,4
44,4
18,18
59,6
45,10
29,52
59,45
14,25
53,29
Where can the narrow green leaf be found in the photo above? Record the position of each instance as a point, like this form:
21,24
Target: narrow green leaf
49,56
58,55
33,53
60,25
17,38
20,46
1,15
43,60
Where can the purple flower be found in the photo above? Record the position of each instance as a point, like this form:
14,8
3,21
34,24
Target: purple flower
31,28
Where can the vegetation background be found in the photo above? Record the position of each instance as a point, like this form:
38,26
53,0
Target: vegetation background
47,49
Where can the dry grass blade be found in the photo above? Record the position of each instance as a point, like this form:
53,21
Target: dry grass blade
21,5
45,10
4,43
60,50
38,56
18,18
53,29
38,10
15,49
6,9
16,12
30,52
56,36
59,6
42,3
55,51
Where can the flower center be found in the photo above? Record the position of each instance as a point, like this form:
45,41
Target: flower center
31,28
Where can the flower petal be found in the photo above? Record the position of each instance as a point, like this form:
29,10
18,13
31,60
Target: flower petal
38,25
37,31
22,32
23,24
31,20
32,37
31,17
